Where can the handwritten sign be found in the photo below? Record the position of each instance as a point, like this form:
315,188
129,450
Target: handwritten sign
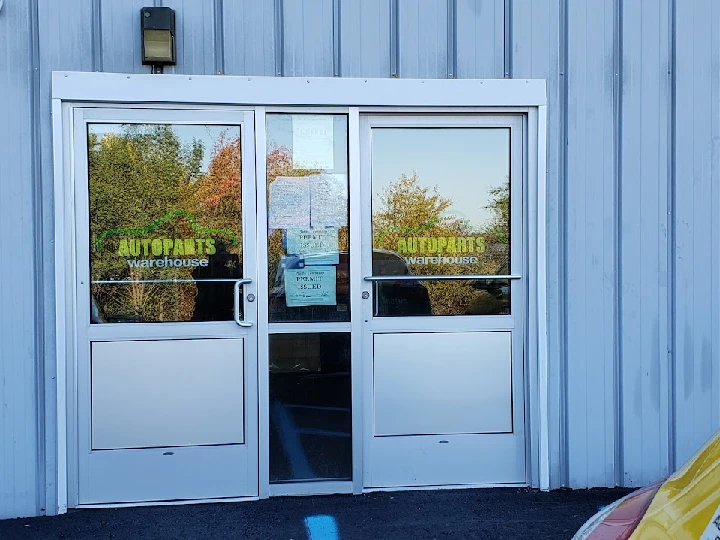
312,141
289,205
320,246
329,200
310,286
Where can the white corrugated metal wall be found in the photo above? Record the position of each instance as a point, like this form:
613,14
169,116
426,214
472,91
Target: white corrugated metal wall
634,189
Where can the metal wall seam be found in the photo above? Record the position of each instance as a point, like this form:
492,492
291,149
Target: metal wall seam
508,49
618,236
671,241
564,449
38,271
279,38
336,37
219,35
452,39
96,49
394,39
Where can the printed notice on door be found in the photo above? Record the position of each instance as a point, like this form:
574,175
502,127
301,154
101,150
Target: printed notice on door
310,286
329,200
312,136
289,204
320,246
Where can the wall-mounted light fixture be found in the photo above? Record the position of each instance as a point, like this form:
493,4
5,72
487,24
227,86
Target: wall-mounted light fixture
158,36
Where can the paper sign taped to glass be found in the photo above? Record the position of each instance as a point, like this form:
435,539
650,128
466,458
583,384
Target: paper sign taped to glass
302,202
328,200
289,205
319,246
310,286
312,145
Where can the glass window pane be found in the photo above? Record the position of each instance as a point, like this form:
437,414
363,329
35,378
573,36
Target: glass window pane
441,207
165,221
444,297
310,407
307,180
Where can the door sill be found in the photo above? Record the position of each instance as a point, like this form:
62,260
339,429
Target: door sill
167,503
298,489
448,486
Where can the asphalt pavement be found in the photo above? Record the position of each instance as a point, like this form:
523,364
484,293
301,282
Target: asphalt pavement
502,513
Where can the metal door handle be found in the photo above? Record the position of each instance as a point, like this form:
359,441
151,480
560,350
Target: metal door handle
438,277
238,285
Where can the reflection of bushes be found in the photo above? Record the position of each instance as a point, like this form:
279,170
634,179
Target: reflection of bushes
137,176
408,209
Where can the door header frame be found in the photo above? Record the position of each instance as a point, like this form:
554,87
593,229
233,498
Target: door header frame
356,96
300,91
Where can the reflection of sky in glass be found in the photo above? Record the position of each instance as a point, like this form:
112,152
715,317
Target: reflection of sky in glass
464,163
207,135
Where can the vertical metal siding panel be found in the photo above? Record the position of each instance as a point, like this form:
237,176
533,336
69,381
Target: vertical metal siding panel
195,36
365,38
120,36
249,37
590,244
65,44
480,39
18,398
308,39
644,225
537,41
697,155
422,39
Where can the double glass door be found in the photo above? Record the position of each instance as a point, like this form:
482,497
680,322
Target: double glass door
219,325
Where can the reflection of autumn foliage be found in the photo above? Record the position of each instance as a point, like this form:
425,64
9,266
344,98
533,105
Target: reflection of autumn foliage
137,176
218,193
410,210
219,189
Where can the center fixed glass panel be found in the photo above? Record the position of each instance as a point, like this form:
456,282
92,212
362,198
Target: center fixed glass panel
308,273
310,407
307,186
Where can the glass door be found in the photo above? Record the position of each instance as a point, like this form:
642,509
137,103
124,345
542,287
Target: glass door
443,300
166,282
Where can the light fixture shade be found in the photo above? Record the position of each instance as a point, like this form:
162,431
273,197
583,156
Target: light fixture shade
158,47
158,36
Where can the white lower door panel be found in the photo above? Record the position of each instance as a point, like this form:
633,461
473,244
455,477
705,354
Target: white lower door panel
168,421
161,474
443,410
443,460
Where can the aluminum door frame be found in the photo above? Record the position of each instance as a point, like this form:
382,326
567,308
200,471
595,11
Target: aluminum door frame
516,322
85,333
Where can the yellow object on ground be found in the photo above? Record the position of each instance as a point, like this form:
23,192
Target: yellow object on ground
687,506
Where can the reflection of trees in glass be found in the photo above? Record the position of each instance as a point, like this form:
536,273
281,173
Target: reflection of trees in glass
409,210
137,176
